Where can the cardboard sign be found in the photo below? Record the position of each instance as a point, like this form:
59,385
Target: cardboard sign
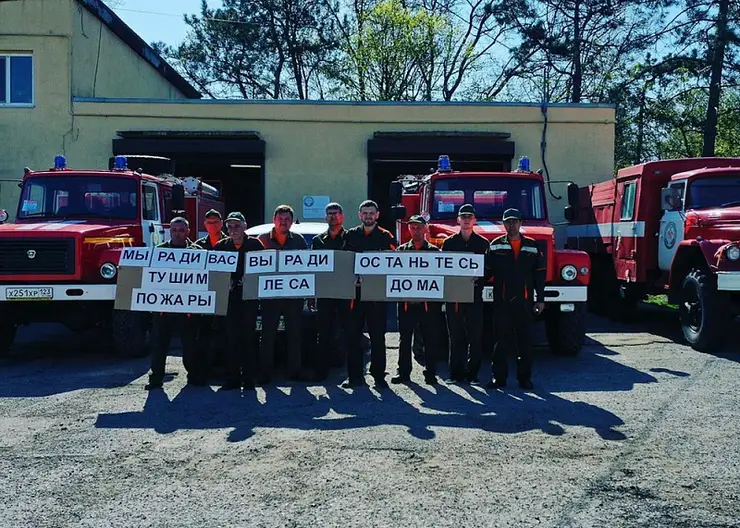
418,275
419,263
297,274
174,280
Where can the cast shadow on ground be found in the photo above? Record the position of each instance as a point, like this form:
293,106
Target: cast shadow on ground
419,409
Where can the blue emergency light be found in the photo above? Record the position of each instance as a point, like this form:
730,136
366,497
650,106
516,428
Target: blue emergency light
524,164
443,163
120,163
60,162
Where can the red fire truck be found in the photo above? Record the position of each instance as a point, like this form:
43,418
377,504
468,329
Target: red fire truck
669,227
58,260
439,195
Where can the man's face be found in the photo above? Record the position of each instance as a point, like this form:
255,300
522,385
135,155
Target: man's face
466,221
418,231
369,216
236,229
334,218
282,222
179,233
512,227
213,225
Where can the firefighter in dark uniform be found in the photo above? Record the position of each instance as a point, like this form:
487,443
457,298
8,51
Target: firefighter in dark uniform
333,314
465,320
281,237
425,315
518,270
165,324
368,236
241,317
206,333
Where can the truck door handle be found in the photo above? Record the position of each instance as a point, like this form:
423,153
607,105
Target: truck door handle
151,228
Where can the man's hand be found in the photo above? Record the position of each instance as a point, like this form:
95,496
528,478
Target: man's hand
312,304
539,308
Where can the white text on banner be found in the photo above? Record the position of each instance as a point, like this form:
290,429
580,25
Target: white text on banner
426,287
287,286
306,261
419,263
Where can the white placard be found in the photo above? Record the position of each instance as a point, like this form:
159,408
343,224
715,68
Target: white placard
413,286
260,262
287,286
315,206
138,257
173,301
302,260
222,260
192,259
419,263
173,279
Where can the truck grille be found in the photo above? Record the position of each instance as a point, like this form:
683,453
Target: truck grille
50,256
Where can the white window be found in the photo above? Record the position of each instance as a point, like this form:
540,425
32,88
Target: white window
16,80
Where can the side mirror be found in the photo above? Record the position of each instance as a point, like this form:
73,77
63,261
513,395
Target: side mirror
570,213
574,195
398,212
395,191
670,199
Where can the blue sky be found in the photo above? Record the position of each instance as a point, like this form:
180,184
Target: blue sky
158,20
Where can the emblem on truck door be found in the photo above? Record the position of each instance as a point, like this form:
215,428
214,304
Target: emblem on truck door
669,235
31,253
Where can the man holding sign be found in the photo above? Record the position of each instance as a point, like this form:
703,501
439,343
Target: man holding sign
164,324
465,320
368,236
281,237
425,315
241,319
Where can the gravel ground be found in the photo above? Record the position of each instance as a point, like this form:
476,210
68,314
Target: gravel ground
636,431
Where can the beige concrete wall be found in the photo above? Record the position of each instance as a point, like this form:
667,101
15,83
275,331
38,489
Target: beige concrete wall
105,66
321,148
32,136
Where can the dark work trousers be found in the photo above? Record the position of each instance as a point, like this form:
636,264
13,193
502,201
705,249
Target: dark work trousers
375,313
164,326
465,326
426,317
241,322
513,322
292,312
205,338
333,321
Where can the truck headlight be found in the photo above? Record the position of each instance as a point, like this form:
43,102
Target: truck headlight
108,270
569,272
733,253
3,215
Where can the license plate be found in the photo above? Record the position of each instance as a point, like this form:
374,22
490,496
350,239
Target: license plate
29,294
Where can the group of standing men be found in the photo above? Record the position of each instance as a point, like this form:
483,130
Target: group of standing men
514,265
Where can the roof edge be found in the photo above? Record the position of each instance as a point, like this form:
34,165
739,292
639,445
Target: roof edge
334,102
113,22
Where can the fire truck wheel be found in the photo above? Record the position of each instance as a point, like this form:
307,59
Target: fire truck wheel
704,312
7,336
130,333
566,330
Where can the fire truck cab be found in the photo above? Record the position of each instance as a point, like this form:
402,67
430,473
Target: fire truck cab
438,197
58,259
668,227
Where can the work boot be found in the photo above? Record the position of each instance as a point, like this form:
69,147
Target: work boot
526,385
380,383
350,383
155,382
400,379
496,384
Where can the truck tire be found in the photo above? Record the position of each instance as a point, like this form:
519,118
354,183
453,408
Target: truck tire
8,330
130,333
704,312
566,330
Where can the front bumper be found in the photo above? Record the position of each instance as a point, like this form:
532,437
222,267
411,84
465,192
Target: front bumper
555,294
57,292
728,280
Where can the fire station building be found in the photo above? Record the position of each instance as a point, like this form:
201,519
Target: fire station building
76,80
